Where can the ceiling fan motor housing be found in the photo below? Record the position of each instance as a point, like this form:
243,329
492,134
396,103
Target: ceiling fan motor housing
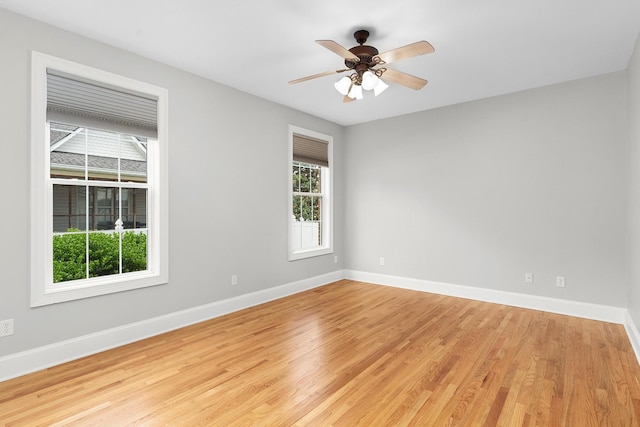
363,52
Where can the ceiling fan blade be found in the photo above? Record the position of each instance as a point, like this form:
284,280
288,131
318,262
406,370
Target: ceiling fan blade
315,76
404,79
336,48
347,99
408,51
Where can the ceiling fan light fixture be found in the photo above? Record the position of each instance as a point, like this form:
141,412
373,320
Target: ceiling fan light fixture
343,85
380,87
369,80
365,62
355,92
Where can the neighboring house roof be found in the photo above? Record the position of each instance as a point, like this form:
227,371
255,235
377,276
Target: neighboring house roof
62,160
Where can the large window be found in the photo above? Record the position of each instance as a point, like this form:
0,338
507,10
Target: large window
99,182
310,225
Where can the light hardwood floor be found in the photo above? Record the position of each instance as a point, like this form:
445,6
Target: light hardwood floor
348,354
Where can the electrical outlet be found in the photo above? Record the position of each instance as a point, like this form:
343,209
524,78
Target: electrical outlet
6,327
560,281
335,259
381,261
234,280
528,277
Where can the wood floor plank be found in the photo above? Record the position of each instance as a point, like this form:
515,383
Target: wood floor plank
349,354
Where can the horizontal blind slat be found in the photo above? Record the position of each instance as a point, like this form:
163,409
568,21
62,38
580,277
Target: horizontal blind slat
88,104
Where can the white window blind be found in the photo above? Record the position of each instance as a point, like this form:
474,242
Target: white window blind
307,149
91,104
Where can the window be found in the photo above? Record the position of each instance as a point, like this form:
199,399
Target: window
310,224
98,189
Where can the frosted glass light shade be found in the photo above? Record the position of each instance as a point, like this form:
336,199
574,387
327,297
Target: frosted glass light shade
343,85
355,92
380,87
369,80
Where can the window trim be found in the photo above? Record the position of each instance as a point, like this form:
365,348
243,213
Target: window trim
327,205
42,290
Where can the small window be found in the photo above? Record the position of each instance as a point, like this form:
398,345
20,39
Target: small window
310,214
99,202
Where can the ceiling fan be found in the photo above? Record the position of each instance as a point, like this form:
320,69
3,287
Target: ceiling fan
368,65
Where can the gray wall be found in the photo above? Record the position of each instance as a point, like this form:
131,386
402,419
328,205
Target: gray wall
633,78
228,185
479,193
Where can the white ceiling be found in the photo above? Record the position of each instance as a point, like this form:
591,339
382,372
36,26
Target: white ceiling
483,48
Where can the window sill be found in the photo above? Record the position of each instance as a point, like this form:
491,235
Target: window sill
309,253
94,287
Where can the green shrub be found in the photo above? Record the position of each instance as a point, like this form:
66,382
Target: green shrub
69,257
134,252
69,254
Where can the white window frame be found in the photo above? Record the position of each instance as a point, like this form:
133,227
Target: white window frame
43,291
327,198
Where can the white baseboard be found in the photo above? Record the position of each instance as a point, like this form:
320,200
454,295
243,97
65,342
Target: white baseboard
18,364
633,333
571,308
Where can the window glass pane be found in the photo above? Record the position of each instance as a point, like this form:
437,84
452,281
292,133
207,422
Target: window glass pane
69,256
133,163
104,254
297,179
102,208
317,236
305,184
103,149
307,227
69,207
314,174
134,208
67,151
315,209
134,251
